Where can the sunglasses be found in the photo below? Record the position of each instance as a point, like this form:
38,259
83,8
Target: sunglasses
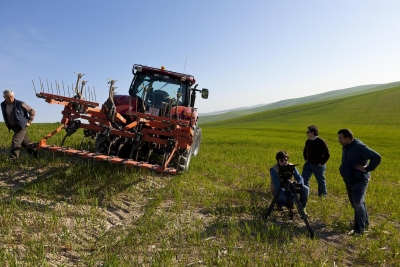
283,160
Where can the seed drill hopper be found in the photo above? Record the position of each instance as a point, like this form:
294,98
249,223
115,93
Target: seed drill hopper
154,127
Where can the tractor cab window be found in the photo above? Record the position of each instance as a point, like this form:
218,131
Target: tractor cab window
157,89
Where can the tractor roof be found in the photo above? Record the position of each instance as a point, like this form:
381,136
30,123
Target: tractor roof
162,71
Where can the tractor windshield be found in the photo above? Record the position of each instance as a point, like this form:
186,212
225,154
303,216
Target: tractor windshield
155,89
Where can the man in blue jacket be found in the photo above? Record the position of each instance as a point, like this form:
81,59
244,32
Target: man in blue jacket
358,160
17,116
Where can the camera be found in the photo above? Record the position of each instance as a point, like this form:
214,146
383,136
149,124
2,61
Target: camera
286,174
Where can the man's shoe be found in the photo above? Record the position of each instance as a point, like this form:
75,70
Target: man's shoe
353,233
12,158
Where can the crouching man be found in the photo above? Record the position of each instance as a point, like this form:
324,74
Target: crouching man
282,159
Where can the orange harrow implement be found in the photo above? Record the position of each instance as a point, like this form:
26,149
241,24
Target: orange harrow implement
148,128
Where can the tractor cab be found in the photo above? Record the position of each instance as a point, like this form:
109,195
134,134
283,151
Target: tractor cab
159,90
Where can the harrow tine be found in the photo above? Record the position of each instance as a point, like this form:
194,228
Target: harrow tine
34,88
57,87
48,88
94,92
88,89
41,85
92,95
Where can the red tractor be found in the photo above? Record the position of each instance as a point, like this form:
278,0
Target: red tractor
154,127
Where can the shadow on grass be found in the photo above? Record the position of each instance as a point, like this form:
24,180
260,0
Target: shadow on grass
69,180
29,204
5,150
250,221
321,229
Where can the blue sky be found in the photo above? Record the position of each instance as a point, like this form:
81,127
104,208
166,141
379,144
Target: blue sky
245,52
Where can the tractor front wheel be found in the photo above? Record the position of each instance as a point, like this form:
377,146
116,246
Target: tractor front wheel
184,161
196,142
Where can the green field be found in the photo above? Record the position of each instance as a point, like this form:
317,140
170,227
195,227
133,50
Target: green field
68,212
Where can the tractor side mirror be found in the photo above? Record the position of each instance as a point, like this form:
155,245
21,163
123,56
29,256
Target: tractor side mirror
204,93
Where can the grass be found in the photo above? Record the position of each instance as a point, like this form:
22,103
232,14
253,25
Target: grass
68,212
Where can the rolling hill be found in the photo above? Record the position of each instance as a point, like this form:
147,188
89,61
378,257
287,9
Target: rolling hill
234,113
377,108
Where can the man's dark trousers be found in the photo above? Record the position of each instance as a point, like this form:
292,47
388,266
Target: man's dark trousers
20,138
356,195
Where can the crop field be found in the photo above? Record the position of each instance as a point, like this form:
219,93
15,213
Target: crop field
64,211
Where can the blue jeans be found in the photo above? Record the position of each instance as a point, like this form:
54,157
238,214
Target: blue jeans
356,195
303,193
319,173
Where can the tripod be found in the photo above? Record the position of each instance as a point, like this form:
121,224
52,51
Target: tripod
291,197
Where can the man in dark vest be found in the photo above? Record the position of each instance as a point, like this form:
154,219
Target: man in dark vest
17,116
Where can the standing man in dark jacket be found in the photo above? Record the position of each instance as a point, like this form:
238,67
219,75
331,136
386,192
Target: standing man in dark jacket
316,154
357,161
17,116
